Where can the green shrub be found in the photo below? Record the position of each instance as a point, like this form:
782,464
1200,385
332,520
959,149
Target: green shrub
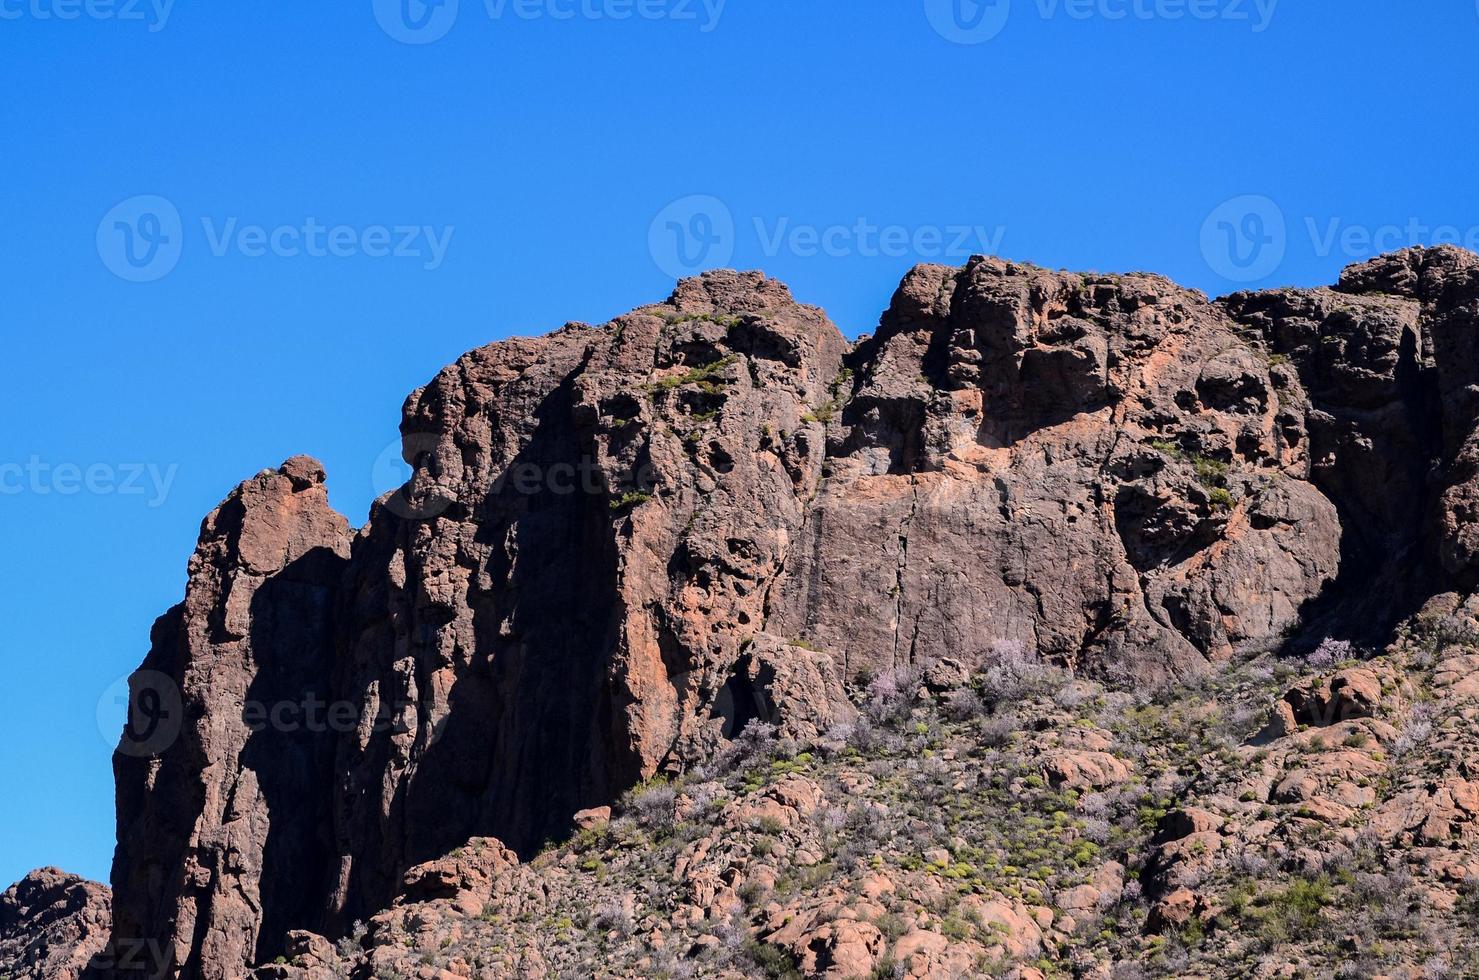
1292,912
892,926
827,410
631,498
708,373
774,962
1166,448
1210,472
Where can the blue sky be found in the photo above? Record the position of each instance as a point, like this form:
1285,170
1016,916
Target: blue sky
328,202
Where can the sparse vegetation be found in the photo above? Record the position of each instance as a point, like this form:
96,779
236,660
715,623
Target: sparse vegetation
630,499
827,411
1167,448
706,376
1211,473
968,805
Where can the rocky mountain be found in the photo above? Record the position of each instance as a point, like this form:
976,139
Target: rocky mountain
1012,637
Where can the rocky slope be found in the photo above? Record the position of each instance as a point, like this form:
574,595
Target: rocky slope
625,547
1266,820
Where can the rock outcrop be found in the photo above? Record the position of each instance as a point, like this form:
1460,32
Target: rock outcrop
623,545
52,924
224,773
1091,466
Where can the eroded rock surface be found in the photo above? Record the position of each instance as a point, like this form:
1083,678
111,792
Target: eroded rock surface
223,774
51,926
623,545
1088,465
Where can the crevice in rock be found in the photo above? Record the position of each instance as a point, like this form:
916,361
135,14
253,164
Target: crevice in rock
901,567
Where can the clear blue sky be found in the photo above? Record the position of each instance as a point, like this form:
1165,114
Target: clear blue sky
1104,135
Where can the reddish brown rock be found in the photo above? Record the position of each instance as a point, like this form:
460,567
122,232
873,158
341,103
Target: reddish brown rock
593,817
224,772
621,546
573,589
1051,459
1175,910
1349,694
468,878
52,924
1380,385
1187,822
1439,814
1084,770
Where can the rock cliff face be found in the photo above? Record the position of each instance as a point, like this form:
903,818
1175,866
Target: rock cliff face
223,811
623,544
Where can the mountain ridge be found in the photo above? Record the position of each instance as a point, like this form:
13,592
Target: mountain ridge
622,546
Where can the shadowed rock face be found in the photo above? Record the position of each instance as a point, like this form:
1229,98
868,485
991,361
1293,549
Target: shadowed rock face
222,819
621,544
1379,377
